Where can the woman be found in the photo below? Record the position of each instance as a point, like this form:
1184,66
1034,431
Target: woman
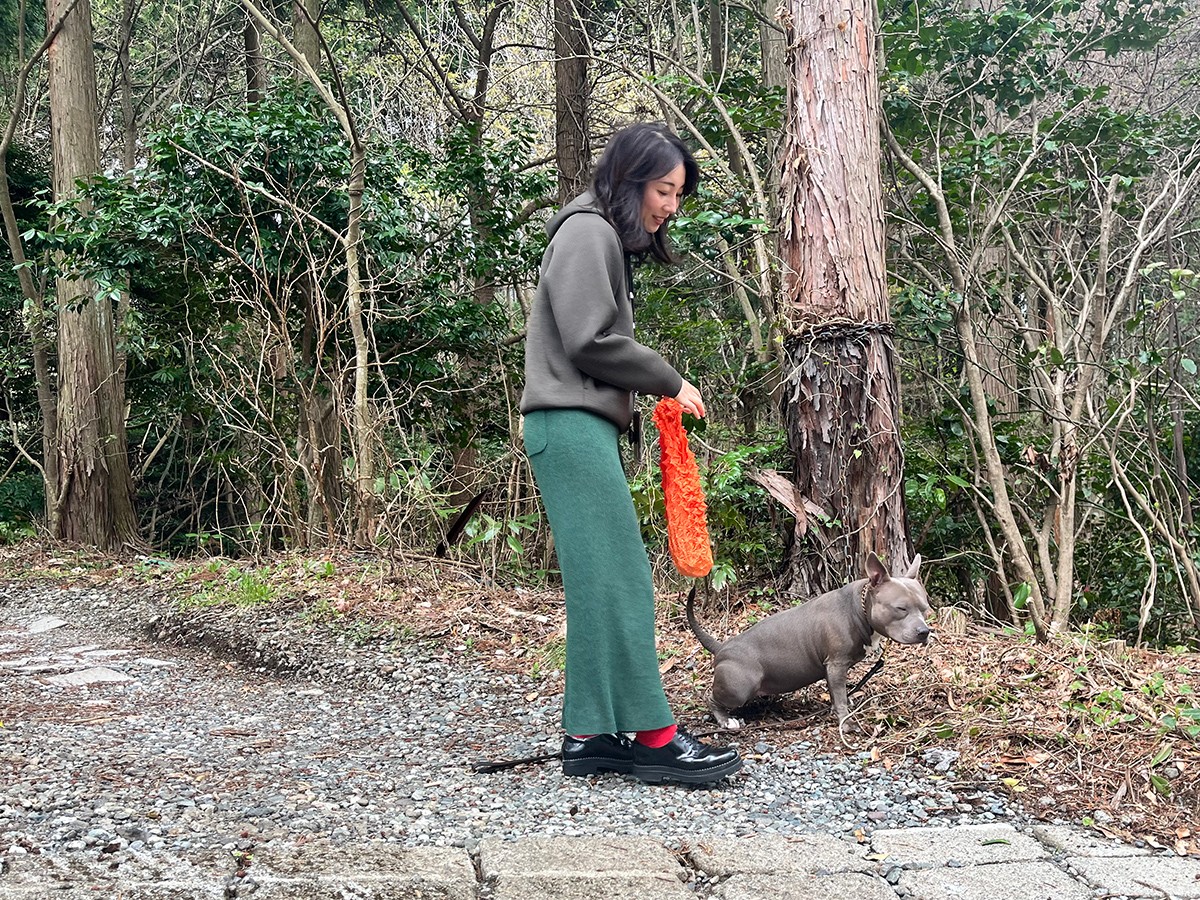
583,369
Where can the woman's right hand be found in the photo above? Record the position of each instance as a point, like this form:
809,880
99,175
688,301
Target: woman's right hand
691,401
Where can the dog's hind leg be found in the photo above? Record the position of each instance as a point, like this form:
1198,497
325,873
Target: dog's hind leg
734,685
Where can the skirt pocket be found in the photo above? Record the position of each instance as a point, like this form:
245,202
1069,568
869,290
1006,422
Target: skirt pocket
533,432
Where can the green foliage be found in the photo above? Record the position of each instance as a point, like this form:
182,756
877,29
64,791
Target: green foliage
235,588
1016,79
1017,104
550,659
10,26
507,541
209,238
747,544
22,499
458,222
21,496
748,541
1014,53
755,109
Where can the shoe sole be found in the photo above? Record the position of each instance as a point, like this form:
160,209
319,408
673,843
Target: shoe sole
661,774
578,767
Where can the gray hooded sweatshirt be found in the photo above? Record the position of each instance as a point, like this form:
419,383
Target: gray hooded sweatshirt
579,346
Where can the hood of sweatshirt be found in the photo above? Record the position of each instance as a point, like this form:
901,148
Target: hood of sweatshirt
584,203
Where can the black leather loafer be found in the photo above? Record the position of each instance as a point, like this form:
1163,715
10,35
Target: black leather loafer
684,759
599,753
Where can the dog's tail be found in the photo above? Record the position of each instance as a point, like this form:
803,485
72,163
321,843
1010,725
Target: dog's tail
710,643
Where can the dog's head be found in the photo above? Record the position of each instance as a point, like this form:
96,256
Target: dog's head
897,606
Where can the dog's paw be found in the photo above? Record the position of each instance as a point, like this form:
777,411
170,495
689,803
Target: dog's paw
732,724
849,725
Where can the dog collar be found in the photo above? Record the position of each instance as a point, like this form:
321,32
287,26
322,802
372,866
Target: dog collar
862,600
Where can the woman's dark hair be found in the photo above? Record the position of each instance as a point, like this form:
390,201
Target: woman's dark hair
634,157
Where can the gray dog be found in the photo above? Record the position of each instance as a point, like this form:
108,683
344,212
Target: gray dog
822,638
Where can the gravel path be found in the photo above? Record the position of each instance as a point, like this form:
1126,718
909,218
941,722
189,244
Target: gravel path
196,750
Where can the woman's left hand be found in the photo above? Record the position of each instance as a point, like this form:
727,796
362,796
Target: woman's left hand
691,401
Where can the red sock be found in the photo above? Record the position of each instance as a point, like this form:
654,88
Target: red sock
582,737
657,737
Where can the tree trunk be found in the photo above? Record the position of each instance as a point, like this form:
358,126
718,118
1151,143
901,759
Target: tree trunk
774,72
94,495
841,404
572,95
128,117
364,440
319,437
305,15
716,68
774,48
256,63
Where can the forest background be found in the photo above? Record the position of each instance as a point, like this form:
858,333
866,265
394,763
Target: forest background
281,305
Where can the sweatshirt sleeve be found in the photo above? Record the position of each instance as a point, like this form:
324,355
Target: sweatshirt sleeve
584,275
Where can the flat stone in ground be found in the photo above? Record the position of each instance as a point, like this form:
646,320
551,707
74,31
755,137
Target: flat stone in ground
161,891
1078,842
93,675
58,873
1143,876
96,873
812,853
569,868
1012,881
799,886
572,856
358,889
44,623
966,844
372,871
372,859
169,891
582,887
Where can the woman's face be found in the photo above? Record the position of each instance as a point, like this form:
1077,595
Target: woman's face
661,199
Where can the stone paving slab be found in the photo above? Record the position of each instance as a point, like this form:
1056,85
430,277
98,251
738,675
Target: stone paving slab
564,868
800,886
581,887
370,871
93,872
378,860
162,891
1149,876
357,889
88,875
168,891
965,844
1075,842
811,853
1010,881
587,856
993,862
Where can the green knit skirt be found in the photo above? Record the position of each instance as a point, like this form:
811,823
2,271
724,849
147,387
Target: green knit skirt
612,678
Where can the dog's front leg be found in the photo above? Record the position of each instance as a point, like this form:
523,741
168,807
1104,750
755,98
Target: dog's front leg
835,675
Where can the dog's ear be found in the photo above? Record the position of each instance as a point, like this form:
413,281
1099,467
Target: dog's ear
914,568
876,570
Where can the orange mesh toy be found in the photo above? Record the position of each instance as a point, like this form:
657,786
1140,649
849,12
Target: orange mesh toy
687,525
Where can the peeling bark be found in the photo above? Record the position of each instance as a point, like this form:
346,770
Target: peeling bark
841,403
